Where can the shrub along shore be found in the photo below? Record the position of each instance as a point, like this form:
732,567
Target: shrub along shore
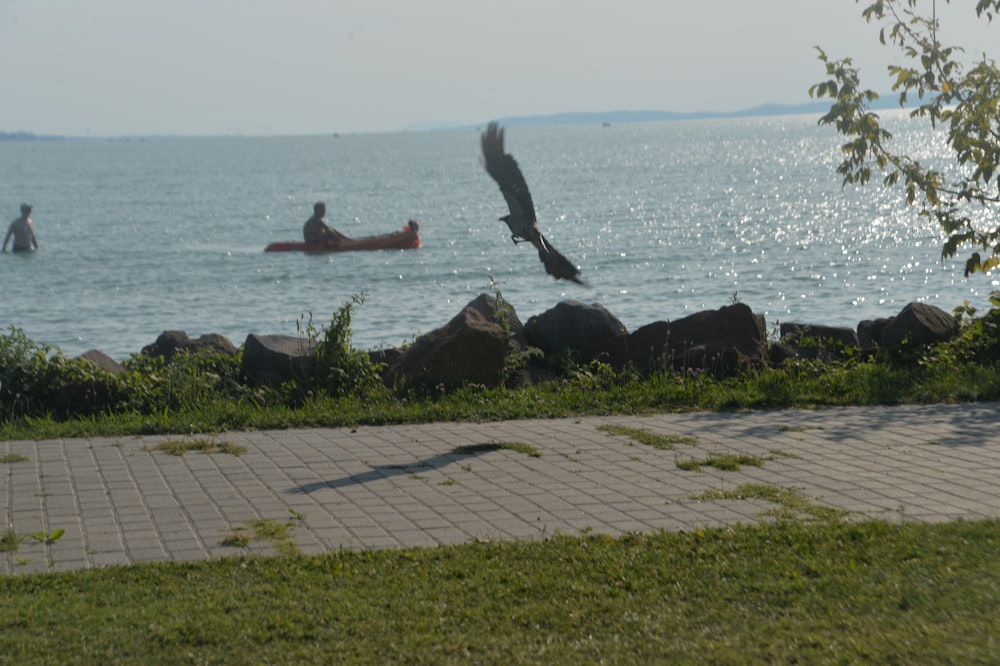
208,393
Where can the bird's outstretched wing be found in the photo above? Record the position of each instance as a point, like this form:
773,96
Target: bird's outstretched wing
503,168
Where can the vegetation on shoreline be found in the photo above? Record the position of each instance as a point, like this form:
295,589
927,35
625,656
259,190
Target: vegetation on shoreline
44,394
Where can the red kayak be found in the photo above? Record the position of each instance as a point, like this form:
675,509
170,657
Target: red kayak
407,239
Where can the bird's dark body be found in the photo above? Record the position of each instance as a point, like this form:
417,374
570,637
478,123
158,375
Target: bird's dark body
522,222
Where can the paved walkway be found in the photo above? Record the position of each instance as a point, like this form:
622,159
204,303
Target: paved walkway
120,502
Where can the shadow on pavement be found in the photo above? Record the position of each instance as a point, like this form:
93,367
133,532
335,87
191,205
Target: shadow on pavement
379,472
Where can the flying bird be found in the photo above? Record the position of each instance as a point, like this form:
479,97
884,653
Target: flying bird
521,220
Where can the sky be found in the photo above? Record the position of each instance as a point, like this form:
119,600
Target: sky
286,67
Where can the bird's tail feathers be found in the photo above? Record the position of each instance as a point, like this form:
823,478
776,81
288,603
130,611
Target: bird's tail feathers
555,263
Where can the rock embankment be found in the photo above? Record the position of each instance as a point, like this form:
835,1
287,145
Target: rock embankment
477,345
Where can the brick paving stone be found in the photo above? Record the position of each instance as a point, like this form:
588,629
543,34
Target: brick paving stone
120,502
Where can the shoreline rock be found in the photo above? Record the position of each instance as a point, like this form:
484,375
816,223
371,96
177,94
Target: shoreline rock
476,345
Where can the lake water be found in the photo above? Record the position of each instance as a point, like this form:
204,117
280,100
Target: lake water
664,219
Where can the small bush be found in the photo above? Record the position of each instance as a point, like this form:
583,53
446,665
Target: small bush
340,370
978,340
151,384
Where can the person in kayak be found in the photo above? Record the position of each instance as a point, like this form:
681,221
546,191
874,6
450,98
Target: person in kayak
317,231
23,232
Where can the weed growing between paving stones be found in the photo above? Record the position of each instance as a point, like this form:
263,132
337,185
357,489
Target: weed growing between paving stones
789,504
48,538
278,534
11,458
203,445
731,462
662,442
778,454
238,539
783,592
9,542
519,447
726,462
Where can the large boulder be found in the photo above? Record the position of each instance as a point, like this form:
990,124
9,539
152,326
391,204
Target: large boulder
272,360
471,348
171,342
720,341
572,327
918,324
725,340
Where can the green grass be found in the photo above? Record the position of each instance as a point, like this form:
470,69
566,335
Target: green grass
10,458
789,592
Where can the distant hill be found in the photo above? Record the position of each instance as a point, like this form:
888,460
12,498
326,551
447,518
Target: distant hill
618,117
25,136
580,118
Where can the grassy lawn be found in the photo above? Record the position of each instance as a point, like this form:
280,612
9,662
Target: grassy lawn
790,592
